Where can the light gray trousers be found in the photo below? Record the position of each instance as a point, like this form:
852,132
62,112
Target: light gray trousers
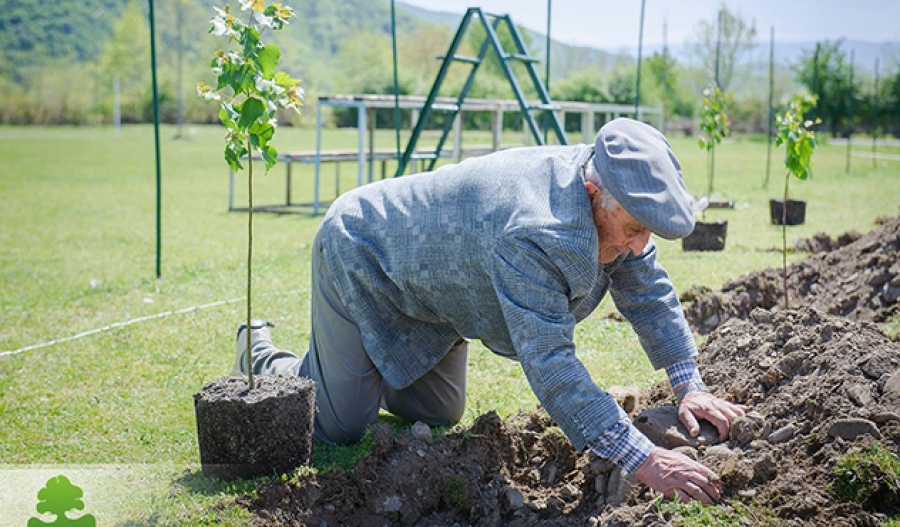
349,389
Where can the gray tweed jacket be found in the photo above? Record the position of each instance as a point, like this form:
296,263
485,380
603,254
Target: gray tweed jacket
500,248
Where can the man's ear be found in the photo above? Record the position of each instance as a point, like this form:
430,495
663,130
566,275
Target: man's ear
593,192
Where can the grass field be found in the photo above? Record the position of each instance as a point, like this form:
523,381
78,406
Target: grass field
77,232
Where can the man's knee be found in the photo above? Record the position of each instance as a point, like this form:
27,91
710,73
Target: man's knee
340,435
451,413
437,413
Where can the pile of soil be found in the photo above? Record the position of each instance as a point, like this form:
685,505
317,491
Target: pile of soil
819,387
860,280
823,243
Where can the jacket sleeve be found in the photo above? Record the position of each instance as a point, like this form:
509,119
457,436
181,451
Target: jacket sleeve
644,294
533,292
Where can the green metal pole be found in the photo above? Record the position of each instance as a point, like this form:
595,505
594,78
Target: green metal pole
719,45
396,82
850,111
637,88
875,114
771,109
547,69
156,138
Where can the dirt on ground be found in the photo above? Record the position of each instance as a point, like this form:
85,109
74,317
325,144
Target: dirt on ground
854,276
822,382
819,387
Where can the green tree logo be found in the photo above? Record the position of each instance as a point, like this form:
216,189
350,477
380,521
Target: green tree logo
57,497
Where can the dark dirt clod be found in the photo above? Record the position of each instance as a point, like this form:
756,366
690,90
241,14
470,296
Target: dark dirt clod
859,280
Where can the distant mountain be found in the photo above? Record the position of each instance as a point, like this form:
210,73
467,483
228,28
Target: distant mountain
564,58
790,53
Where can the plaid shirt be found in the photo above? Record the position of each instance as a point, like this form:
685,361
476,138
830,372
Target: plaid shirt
625,445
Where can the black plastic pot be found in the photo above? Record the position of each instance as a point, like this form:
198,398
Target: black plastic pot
706,237
264,432
796,211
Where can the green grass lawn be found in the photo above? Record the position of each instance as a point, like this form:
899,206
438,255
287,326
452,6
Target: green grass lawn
78,253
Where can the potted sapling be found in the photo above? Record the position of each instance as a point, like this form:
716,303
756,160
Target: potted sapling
800,142
791,132
254,426
714,125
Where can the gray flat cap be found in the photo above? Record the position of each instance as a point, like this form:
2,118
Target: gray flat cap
637,165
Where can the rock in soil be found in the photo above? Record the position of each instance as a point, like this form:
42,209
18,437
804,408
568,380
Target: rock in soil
859,280
795,369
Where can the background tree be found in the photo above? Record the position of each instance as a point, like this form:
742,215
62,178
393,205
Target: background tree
126,55
892,93
621,87
583,86
737,39
825,71
666,74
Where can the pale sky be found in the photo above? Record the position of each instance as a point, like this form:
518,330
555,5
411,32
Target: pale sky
613,24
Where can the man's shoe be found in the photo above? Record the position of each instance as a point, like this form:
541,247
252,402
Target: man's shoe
259,334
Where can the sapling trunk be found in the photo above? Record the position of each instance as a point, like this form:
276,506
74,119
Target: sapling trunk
249,261
709,168
787,179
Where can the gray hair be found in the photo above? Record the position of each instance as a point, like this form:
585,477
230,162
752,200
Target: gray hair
607,200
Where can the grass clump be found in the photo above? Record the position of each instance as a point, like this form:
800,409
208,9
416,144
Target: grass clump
870,477
696,514
456,492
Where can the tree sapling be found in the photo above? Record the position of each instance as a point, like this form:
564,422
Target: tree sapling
800,142
250,91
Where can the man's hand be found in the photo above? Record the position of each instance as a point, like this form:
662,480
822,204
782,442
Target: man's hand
704,405
675,474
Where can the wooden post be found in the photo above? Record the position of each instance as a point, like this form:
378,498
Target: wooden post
498,128
457,137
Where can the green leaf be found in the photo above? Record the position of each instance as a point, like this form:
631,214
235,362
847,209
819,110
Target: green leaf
270,154
268,60
285,81
251,110
261,133
249,38
243,78
233,156
227,118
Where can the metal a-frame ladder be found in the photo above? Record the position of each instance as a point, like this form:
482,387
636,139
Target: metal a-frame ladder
451,111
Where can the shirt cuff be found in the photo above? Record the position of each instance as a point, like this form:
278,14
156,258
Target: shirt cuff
684,373
624,445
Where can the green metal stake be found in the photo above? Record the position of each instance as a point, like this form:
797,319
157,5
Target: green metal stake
637,87
396,83
547,69
875,114
156,134
850,111
771,109
719,45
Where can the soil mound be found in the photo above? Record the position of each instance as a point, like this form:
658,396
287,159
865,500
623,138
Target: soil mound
860,280
823,243
820,387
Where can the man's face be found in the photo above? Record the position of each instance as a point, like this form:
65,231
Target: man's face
619,233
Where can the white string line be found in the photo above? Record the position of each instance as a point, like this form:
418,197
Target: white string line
134,321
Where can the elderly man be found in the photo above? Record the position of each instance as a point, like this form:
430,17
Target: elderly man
513,249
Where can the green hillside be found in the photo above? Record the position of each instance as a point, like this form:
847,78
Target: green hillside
42,51
59,64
